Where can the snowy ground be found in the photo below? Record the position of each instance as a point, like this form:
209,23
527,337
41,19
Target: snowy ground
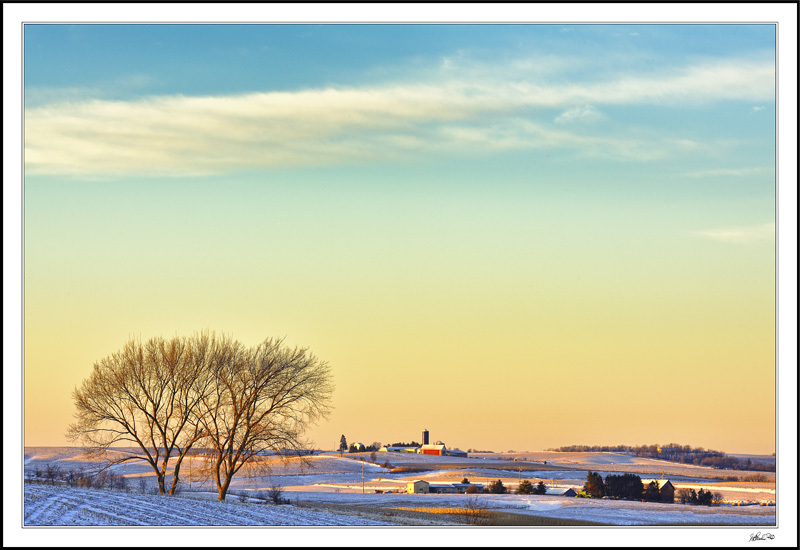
61,506
345,481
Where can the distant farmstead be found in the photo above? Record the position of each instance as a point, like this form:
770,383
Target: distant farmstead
427,448
420,486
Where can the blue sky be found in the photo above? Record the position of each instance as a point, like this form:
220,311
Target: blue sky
213,59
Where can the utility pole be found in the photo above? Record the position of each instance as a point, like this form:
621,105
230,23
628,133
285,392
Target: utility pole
362,477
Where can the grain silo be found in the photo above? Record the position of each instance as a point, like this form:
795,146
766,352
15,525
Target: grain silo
425,437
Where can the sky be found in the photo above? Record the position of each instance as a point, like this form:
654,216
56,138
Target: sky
515,236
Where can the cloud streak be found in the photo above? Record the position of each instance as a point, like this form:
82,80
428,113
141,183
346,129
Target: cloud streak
740,235
727,172
178,135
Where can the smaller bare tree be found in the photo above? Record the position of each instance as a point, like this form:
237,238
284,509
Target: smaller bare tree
476,512
52,473
121,483
684,495
275,494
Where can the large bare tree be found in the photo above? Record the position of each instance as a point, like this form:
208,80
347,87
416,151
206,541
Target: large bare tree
145,396
263,398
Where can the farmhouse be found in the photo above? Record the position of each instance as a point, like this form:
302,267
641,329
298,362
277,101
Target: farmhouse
420,486
665,487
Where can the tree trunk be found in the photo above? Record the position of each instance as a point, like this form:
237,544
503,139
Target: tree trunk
174,480
161,488
223,489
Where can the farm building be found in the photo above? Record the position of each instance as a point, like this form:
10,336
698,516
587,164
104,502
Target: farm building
436,449
561,491
420,486
442,488
462,487
358,446
389,449
666,488
457,452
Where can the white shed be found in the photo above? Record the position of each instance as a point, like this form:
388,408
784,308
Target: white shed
418,486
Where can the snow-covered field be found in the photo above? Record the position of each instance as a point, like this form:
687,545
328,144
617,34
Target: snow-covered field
348,486
60,506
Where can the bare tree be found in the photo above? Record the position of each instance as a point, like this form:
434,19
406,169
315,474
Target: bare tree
263,398
684,495
476,512
145,395
275,493
52,472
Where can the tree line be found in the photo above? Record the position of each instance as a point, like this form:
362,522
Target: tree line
165,397
630,487
371,448
674,452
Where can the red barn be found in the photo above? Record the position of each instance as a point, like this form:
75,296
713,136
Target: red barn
438,449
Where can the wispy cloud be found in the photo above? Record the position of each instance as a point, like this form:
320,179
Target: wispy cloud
177,135
584,113
740,235
124,86
727,172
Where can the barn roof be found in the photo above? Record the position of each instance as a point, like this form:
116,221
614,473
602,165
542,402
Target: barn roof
558,490
661,482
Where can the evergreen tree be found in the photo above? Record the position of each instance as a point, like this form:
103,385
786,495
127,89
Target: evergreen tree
541,489
497,488
704,498
627,486
525,487
652,493
594,485
343,443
